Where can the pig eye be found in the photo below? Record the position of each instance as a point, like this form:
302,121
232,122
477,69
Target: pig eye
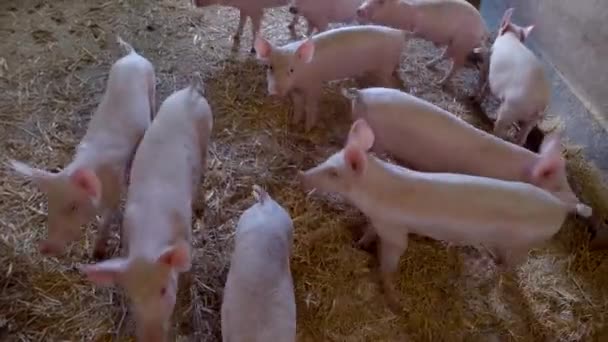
73,207
333,173
269,67
291,71
163,291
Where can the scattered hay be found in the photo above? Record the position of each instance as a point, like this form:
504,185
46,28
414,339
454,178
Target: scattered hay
52,71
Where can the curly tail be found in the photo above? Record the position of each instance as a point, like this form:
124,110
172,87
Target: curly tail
126,46
259,194
197,84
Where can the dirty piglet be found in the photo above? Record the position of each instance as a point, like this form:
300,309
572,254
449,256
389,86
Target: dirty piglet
94,181
259,302
165,180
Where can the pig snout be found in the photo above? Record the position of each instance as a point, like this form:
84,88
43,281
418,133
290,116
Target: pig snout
293,10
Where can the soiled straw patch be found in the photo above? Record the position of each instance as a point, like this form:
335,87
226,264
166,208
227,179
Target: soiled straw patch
54,63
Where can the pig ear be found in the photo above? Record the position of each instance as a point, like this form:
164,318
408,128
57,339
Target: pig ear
506,18
551,161
361,135
40,177
105,273
526,31
87,181
306,51
355,159
262,48
177,256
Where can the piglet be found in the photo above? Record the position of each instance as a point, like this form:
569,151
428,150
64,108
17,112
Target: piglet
299,68
93,182
165,180
508,218
253,9
320,13
428,138
455,23
259,280
518,79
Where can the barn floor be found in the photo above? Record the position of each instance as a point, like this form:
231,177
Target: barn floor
54,59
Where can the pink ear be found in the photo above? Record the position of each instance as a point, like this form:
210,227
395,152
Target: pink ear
527,30
177,256
355,159
88,181
40,177
361,134
506,18
262,48
306,51
105,273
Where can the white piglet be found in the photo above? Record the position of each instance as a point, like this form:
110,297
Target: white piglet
518,79
94,181
428,138
320,13
165,180
455,23
253,9
507,218
299,69
259,301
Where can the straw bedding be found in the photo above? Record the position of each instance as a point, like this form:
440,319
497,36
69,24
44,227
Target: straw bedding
54,59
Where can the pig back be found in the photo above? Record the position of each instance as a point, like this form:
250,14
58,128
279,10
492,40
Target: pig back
470,209
123,114
351,51
167,168
517,75
259,279
439,21
427,138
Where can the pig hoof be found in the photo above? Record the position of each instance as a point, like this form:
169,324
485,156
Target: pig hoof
252,51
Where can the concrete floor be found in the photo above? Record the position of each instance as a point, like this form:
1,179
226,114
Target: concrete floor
581,126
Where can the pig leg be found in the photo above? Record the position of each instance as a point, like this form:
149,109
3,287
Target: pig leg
298,107
436,60
525,129
239,30
256,20
103,234
504,120
311,101
389,254
369,237
459,59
